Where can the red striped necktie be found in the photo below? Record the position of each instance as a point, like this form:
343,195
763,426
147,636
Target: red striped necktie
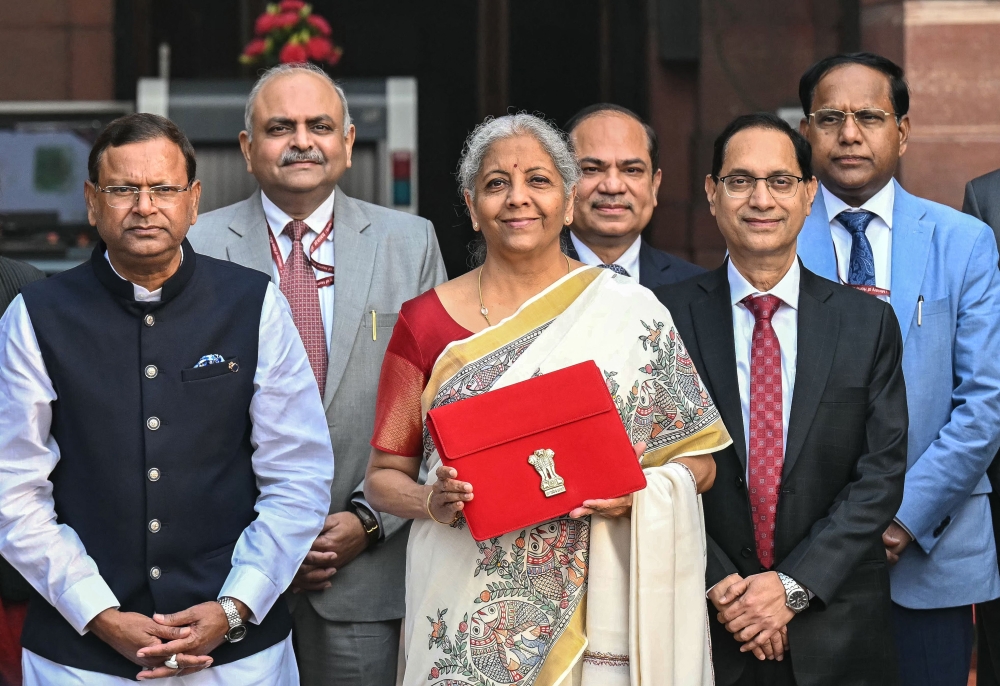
298,284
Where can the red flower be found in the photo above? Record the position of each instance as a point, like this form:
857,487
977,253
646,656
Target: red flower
335,55
286,20
254,48
265,24
319,23
463,627
293,52
435,673
291,5
318,48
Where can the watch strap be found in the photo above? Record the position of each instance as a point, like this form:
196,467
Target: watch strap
368,523
232,614
792,586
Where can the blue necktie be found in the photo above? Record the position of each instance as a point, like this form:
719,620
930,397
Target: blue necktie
616,268
862,269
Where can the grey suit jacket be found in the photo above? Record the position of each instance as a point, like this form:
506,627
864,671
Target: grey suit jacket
982,200
383,258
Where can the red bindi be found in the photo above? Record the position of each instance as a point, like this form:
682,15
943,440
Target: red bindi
515,166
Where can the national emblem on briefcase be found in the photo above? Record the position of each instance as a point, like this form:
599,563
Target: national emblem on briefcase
545,464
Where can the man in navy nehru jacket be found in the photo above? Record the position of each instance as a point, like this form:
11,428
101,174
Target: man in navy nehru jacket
165,462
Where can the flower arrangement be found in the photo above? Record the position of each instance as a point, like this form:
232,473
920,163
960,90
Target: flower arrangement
288,31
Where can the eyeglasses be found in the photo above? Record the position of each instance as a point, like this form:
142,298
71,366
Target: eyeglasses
742,186
125,197
870,118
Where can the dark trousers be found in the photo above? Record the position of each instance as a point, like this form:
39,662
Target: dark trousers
767,673
934,646
988,647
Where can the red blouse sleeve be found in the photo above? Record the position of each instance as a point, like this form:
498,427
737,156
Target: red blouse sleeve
422,332
398,425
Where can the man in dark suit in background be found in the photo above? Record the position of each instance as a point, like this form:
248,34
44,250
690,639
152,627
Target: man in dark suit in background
615,198
13,275
982,201
807,375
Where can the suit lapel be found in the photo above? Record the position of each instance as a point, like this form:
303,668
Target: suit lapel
252,249
650,268
815,245
818,330
354,261
712,317
911,244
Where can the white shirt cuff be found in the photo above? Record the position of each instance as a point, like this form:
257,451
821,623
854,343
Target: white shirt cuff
253,588
905,528
85,600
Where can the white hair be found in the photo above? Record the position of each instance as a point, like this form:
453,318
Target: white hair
281,70
493,130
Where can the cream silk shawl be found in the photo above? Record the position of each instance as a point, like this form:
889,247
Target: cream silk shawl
595,601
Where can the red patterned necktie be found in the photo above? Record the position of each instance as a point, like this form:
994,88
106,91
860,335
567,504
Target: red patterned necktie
298,284
766,453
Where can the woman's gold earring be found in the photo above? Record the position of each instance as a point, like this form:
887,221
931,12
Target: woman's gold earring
567,221
475,226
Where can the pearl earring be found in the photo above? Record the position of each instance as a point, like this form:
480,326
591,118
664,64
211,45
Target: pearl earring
475,225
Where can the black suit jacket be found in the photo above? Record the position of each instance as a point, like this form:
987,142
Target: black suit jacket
842,479
656,267
13,275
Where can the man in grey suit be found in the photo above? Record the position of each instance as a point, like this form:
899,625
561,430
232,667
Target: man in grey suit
348,597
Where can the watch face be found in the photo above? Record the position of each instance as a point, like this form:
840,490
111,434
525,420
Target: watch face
236,633
798,601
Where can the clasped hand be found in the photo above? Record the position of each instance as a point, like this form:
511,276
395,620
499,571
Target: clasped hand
754,612
190,635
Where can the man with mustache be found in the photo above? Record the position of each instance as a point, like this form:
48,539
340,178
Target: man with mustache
937,268
808,377
616,196
349,593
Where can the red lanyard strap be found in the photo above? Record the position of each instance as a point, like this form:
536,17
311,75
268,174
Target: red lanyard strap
323,235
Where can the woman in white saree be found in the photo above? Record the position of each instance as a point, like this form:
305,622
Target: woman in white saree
613,593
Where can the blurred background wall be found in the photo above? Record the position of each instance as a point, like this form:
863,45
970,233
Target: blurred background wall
689,66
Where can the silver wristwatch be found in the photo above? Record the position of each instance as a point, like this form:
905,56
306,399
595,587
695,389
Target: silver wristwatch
237,629
796,598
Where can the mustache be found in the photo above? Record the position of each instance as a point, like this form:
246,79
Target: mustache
599,200
293,156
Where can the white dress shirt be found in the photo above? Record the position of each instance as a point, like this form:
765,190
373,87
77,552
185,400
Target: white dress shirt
629,261
879,233
785,322
292,462
277,219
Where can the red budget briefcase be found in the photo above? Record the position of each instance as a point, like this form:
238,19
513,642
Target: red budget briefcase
535,450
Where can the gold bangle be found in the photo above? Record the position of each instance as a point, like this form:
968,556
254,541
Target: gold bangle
427,506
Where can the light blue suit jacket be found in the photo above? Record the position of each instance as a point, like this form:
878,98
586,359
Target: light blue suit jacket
951,363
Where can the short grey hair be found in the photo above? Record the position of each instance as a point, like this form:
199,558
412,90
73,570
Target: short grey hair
281,70
492,130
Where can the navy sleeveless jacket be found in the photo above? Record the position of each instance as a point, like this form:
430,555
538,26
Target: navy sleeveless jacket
155,471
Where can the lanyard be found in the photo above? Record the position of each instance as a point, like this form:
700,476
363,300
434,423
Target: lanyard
324,234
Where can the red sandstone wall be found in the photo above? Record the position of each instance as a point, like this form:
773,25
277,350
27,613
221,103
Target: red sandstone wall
56,50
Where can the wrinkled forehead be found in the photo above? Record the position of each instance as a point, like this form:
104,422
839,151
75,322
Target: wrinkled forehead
610,136
851,87
760,152
299,96
156,161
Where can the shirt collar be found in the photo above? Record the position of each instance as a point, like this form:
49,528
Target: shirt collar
139,292
277,218
880,204
786,290
589,257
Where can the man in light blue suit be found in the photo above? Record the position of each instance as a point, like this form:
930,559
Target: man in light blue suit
938,269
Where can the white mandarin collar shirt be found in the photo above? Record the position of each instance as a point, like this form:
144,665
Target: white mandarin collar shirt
629,261
785,322
879,232
277,220
292,461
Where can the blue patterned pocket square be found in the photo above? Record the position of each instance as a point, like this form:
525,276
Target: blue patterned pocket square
210,359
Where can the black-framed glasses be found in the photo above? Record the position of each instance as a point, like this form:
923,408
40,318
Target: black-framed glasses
778,185
125,197
869,118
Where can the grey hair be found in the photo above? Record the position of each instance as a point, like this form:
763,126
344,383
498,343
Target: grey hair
493,130
281,70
